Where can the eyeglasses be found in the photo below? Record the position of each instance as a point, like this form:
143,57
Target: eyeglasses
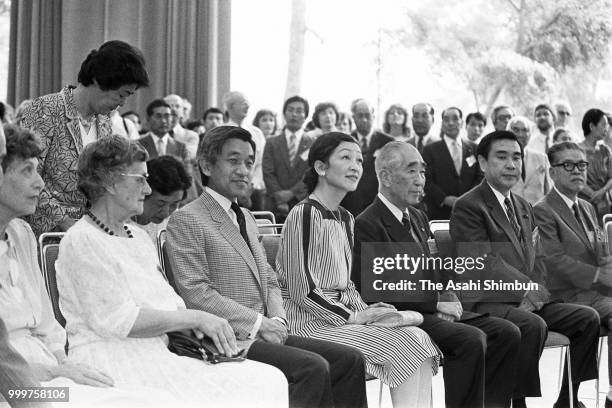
570,166
142,178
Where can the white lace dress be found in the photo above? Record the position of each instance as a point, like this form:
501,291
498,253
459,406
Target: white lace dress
103,283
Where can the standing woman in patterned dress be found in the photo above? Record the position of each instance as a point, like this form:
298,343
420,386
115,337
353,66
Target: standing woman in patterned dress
74,117
314,265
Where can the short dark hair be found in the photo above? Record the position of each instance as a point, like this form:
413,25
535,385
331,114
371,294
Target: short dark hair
476,115
484,147
558,133
212,143
431,108
156,103
559,147
322,107
2,111
297,98
591,116
101,162
20,144
547,107
263,112
321,150
452,107
211,110
167,175
194,123
113,65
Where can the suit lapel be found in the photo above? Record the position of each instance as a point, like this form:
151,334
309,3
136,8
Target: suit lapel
522,215
149,145
230,232
568,217
396,231
499,216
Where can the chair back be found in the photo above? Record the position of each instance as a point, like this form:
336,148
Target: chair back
608,227
271,243
435,225
47,238
49,256
264,215
162,247
266,228
606,218
441,233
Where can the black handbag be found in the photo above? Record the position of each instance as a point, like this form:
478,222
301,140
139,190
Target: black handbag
188,345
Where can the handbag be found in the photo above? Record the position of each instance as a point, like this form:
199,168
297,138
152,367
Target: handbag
188,345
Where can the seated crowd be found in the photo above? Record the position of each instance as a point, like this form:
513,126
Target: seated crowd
303,332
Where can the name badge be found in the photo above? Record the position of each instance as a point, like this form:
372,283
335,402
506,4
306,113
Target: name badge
470,160
304,155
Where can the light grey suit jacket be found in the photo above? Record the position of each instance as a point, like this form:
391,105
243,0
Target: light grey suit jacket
214,269
537,178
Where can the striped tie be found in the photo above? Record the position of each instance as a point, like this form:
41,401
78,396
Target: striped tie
512,219
292,147
456,156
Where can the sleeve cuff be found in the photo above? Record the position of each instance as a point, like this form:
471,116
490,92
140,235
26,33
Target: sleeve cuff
256,326
280,319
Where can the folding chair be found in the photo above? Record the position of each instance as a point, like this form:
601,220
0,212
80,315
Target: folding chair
603,334
435,225
164,260
49,255
264,215
558,340
266,228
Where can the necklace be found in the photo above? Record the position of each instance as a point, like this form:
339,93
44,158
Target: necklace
107,229
326,207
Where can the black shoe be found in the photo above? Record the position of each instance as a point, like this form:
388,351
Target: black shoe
577,404
608,403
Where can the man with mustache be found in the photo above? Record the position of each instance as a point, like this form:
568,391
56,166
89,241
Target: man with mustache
577,260
497,225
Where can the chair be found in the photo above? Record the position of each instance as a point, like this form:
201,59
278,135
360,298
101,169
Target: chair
608,228
264,215
370,377
45,239
558,340
606,218
49,255
164,260
603,333
266,228
435,225
270,242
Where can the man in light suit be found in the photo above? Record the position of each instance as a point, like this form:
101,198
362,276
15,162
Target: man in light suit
493,224
220,267
370,140
285,160
468,340
157,142
535,181
578,263
452,168
188,137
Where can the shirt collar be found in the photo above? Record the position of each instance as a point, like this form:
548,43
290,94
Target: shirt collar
163,138
223,201
368,136
449,141
397,213
500,197
566,199
298,135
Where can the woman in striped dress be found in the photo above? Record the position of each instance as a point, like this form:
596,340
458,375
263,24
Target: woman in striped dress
314,264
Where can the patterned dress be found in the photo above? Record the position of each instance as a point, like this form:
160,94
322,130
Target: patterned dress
55,119
314,264
598,174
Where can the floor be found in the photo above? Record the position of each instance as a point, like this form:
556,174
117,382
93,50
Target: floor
549,371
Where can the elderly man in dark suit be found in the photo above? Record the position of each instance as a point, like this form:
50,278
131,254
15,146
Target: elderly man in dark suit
492,223
370,140
470,342
452,168
285,160
578,262
221,267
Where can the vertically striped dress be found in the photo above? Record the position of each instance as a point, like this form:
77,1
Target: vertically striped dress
314,264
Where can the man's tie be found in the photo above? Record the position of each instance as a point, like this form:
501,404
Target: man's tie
456,156
512,218
579,218
241,223
160,147
406,221
420,144
364,143
292,147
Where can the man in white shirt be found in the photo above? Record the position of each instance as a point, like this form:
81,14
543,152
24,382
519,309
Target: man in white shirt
236,107
545,119
500,117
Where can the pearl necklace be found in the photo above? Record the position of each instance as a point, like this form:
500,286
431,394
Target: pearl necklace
107,229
